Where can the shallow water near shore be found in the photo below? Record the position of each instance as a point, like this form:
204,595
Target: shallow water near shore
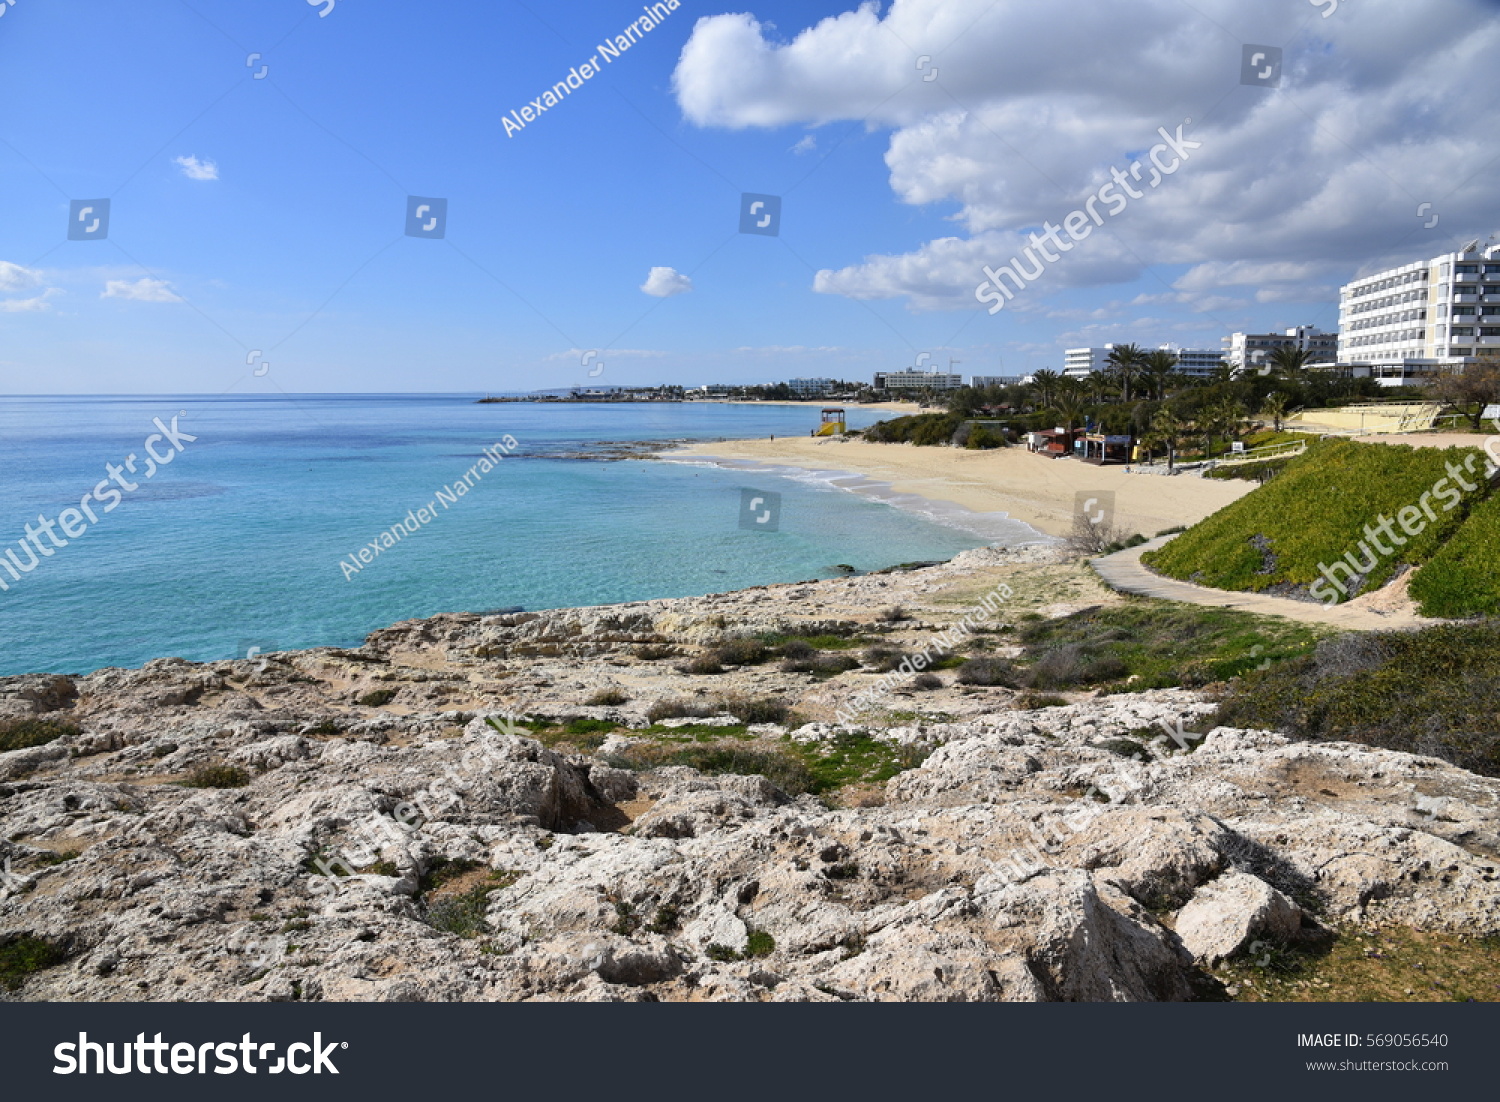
238,542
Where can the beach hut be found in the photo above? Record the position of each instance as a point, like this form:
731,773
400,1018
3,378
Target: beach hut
1101,448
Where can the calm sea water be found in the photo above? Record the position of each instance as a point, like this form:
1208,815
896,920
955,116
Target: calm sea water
238,541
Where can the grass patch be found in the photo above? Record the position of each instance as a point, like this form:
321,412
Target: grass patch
1147,644
463,914
23,734
609,698
217,776
1316,511
1434,692
855,759
25,956
1463,579
1386,966
697,732
783,769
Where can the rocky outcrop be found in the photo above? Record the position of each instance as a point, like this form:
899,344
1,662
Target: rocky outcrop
414,851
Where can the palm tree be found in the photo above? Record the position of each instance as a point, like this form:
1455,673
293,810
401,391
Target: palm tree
1219,420
1046,382
1100,386
1127,361
1165,429
1290,362
1160,366
1070,405
1274,407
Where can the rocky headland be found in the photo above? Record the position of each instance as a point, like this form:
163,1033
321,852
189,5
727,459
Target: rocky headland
659,801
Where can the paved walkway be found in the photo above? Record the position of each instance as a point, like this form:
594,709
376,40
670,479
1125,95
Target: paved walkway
1124,572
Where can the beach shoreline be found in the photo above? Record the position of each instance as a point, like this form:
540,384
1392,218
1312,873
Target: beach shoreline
1009,483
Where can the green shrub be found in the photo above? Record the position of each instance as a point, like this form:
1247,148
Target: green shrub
679,709
23,734
989,671
741,652
464,914
883,659
217,776
1434,692
702,664
24,956
926,682
376,698
610,697
760,709
759,944
1148,644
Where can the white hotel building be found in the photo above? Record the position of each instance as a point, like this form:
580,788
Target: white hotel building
1406,324
1080,363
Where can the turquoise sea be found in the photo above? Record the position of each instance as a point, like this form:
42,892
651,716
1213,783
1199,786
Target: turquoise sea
237,543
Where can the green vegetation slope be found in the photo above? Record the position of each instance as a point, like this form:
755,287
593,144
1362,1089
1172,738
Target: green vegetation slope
1327,504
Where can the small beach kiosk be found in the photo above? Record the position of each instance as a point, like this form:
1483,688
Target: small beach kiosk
1101,448
833,423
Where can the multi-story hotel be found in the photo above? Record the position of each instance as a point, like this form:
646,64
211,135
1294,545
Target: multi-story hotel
1249,349
1408,323
1079,363
917,380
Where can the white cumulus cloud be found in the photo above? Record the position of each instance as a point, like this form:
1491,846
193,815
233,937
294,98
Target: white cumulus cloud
13,277
144,289
666,282
194,169
1293,190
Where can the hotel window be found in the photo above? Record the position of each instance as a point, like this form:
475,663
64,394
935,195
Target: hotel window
1490,331
1463,331
1466,288
1460,311
1467,269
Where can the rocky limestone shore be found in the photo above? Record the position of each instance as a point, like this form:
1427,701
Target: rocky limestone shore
380,823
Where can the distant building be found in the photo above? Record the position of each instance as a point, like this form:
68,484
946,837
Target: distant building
715,390
1200,363
1409,323
1244,350
917,380
978,381
1079,363
810,388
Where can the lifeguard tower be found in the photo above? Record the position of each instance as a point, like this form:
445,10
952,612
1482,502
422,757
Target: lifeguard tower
833,423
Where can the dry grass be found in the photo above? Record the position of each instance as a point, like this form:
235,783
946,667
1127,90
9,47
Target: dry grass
1390,965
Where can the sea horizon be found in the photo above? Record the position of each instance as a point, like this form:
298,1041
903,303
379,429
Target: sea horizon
252,536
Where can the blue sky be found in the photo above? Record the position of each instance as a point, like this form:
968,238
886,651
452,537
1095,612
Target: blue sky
290,240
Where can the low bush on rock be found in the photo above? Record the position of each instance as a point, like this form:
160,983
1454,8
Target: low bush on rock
377,698
989,671
22,734
24,956
783,769
1155,645
217,776
1433,692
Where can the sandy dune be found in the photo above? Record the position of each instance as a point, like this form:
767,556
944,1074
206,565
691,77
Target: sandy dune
1039,491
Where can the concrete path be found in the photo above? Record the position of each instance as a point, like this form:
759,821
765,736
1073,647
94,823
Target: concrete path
1124,572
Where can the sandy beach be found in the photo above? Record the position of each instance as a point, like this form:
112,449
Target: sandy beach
1027,487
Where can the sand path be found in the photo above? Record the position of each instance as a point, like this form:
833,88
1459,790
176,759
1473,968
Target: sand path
1124,572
